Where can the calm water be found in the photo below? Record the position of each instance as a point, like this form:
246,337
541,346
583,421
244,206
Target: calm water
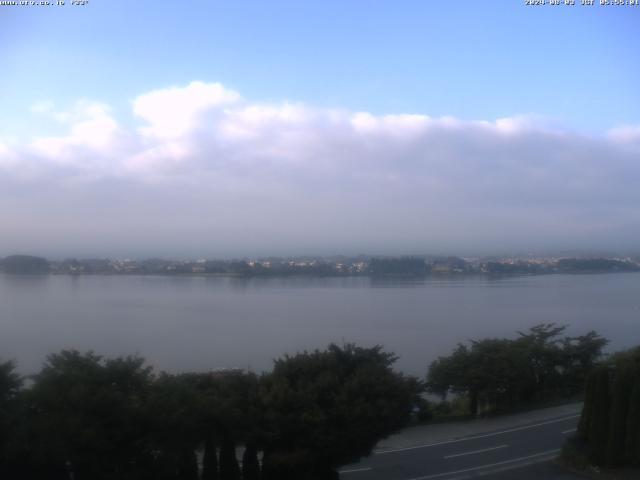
193,323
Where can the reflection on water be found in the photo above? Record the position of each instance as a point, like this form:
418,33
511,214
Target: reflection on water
182,323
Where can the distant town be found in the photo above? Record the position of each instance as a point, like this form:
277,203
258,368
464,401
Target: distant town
413,266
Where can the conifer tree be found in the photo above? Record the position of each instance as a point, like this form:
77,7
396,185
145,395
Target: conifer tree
210,461
188,468
250,465
632,444
599,424
229,469
620,395
587,409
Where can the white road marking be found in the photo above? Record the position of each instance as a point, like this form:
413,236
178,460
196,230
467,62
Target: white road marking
569,431
490,465
517,429
476,451
354,470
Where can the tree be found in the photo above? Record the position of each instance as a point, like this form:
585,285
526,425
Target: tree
24,264
86,414
500,373
174,423
447,374
587,409
250,464
541,347
595,265
599,424
610,423
405,266
580,357
210,460
327,408
229,412
229,469
188,465
629,361
632,442
621,395
491,372
10,384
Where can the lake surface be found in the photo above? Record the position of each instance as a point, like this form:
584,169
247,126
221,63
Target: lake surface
199,323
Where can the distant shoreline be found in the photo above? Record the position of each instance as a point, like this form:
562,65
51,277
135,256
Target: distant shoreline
311,275
375,267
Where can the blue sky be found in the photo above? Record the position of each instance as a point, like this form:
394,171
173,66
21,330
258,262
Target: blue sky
472,60
240,128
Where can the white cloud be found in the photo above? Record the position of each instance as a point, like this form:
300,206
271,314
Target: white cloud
213,164
93,130
626,133
400,125
6,156
172,112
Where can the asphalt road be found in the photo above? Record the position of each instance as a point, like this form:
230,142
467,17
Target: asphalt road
484,454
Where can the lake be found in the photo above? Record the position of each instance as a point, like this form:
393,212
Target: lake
200,323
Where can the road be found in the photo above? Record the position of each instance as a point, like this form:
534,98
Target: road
476,455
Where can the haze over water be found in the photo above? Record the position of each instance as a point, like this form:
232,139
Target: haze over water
201,323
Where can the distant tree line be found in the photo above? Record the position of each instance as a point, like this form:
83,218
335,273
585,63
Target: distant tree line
398,266
609,429
497,374
24,264
578,265
406,266
516,268
86,417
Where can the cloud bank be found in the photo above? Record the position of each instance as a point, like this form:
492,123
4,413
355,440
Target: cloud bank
203,171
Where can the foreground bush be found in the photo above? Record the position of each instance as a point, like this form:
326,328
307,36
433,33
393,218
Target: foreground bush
92,418
609,426
329,408
496,374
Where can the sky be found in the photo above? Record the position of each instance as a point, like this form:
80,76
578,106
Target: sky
242,128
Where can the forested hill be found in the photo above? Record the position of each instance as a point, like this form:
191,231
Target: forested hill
24,264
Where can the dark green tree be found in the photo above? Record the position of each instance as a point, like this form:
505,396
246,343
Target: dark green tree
541,346
229,411
404,266
580,355
632,443
188,465
609,428
490,372
599,422
620,397
86,415
229,468
174,424
210,460
447,374
587,409
328,408
498,374
250,464
10,385
24,264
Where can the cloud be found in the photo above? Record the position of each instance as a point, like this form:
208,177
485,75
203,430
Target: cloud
92,133
173,112
205,168
629,134
6,155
